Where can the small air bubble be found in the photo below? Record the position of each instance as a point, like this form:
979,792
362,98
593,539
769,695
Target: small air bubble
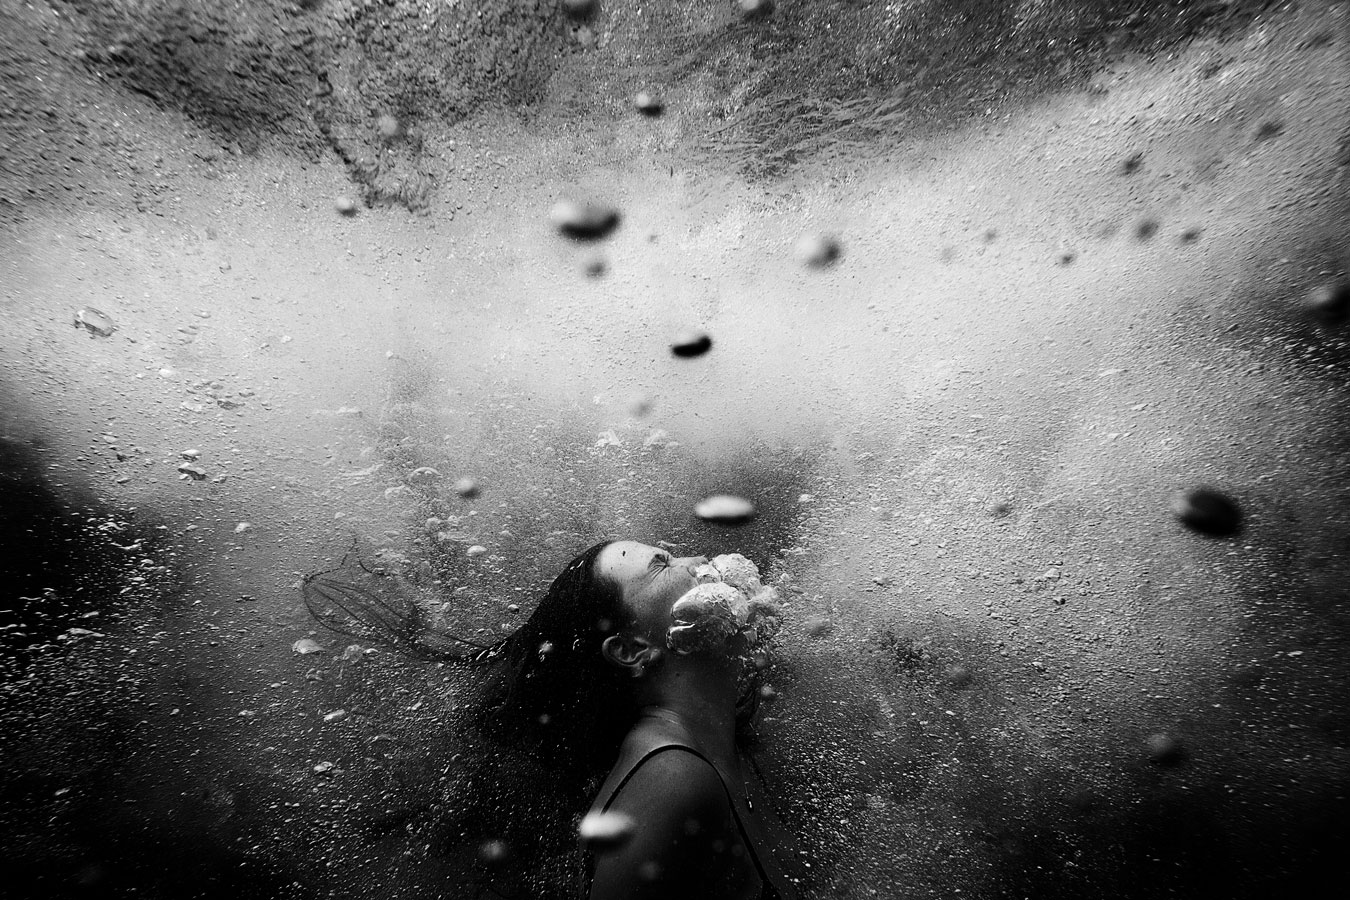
1165,750
725,509
817,251
600,831
691,344
648,104
584,221
1208,511
97,323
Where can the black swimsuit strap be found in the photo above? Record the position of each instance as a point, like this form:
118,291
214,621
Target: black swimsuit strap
770,890
632,770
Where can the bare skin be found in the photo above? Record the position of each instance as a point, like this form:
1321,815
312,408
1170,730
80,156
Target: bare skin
686,842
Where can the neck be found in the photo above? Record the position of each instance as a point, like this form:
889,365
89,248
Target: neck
702,697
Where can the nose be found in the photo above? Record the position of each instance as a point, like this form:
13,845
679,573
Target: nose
693,562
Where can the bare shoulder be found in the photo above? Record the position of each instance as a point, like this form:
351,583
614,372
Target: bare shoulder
685,842
673,784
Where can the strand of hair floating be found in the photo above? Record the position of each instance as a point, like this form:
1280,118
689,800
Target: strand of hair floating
360,605
366,616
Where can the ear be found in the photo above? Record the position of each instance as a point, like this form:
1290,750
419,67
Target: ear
631,652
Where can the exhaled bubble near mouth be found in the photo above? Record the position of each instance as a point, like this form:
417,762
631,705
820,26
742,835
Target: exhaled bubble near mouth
704,618
735,612
738,572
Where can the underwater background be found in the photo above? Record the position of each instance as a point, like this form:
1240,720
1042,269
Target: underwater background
276,276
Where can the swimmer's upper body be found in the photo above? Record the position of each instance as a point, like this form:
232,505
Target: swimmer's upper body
612,673
687,841
679,770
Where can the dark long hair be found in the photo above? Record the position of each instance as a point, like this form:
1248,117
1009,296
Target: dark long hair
547,687
552,691
548,717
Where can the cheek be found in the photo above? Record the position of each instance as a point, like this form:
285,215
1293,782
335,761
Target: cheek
659,615
651,610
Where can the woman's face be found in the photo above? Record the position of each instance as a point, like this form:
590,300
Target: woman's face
651,580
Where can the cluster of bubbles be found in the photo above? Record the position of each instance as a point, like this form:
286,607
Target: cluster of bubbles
729,608
731,613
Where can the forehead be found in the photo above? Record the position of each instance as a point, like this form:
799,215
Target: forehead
623,559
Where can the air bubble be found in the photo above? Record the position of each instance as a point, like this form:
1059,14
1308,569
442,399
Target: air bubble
99,324
584,221
648,104
594,266
725,509
1208,511
691,344
818,626
639,406
1271,128
816,251
494,852
1165,750
1330,303
601,831
959,676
